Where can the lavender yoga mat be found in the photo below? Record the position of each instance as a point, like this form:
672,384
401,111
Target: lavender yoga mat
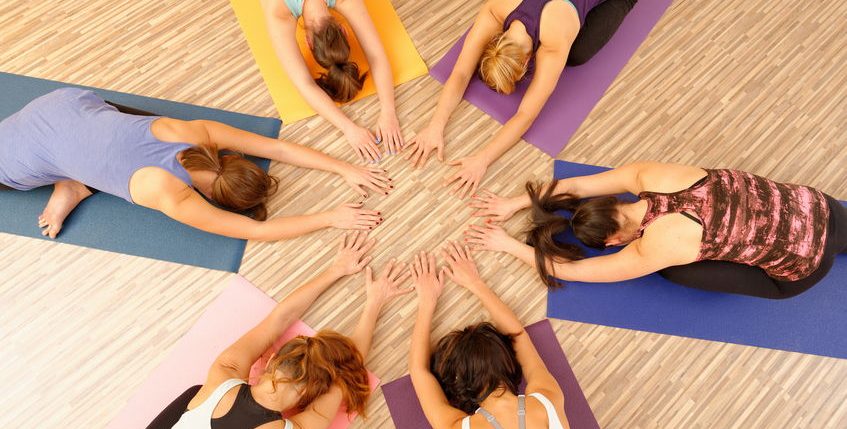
579,89
407,413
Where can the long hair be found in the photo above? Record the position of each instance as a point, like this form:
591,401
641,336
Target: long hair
503,64
317,363
240,184
592,222
472,363
331,50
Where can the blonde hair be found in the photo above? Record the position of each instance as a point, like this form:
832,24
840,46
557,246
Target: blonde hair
503,64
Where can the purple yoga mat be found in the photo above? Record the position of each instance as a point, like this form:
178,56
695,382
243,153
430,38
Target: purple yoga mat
579,89
407,413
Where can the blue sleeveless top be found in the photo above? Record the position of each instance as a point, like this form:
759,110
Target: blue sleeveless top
529,14
72,134
296,6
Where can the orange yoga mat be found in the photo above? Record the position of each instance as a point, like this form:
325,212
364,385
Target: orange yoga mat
406,63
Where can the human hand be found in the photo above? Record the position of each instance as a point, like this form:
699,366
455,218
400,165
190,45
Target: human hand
363,143
386,285
499,209
461,267
488,236
470,174
351,253
361,177
428,283
353,216
388,132
428,140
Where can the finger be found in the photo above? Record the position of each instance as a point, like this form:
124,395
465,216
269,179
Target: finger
464,189
431,257
452,179
473,188
441,275
365,226
399,140
360,153
475,234
448,273
343,242
358,239
379,136
372,151
378,186
456,250
476,242
454,190
416,266
360,190
393,147
455,162
364,212
441,152
368,246
445,251
467,252
413,145
416,156
354,205
396,269
404,275
364,262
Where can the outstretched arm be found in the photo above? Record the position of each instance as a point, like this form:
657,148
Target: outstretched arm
436,407
549,65
388,127
282,32
380,291
431,139
463,271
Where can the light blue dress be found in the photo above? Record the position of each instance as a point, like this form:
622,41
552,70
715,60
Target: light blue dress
296,6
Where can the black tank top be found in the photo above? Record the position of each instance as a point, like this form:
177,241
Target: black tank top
245,413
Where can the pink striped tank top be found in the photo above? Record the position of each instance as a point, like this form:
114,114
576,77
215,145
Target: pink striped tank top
751,220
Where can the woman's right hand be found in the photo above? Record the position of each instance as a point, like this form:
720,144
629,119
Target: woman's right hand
386,285
428,282
428,140
499,209
353,216
364,143
461,267
489,236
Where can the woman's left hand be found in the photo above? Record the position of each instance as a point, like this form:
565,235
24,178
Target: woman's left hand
351,253
386,285
388,132
489,236
466,181
361,177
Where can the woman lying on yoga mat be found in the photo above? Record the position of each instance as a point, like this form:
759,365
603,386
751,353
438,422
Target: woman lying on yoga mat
477,370
309,377
342,80
720,230
74,140
508,40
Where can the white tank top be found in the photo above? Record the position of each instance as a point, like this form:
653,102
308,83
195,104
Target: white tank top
201,417
553,421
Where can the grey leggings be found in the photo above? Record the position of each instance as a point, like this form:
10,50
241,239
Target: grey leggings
730,277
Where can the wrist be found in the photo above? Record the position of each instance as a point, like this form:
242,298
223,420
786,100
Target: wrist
476,286
325,219
426,306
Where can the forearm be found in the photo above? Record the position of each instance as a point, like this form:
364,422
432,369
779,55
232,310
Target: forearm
506,137
362,336
564,186
306,157
282,228
297,302
420,348
524,252
326,108
503,318
449,99
384,81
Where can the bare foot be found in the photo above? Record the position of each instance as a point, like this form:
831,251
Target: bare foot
66,196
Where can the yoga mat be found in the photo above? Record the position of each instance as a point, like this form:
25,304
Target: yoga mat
579,88
406,63
813,322
237,309
110,223
407,413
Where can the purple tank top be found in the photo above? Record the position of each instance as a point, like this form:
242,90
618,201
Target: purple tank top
72,134
529,14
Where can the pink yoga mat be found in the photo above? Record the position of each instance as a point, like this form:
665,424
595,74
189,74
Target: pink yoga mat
238,308
579,89
406,411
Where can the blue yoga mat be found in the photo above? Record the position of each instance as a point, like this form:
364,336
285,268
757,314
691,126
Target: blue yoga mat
814,322
109,223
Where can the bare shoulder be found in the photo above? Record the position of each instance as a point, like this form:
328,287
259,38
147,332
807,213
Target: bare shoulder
154,187
666,177
673,238
559,25
536,412
276,9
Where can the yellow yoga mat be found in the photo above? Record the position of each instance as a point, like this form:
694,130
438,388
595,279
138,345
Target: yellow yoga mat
406,63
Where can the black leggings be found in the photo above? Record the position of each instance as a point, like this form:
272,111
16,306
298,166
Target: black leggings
730,277
600,25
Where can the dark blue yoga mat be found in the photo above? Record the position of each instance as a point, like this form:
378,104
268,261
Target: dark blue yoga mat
813,322
109,223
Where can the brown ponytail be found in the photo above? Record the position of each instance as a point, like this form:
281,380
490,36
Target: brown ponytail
332,51
317,363
592,222
240,184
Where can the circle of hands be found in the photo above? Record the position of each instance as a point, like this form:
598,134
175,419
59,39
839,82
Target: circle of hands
428,278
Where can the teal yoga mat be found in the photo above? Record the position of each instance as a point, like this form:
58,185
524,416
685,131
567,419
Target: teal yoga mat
109,223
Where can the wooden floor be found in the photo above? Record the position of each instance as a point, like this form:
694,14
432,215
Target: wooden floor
753,84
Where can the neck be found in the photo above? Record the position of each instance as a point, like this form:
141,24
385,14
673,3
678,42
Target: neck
517,32
632,214
282,398
202,181
314,11
498,399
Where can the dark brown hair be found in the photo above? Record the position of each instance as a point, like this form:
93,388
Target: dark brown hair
240,184
332,51
471,363
592,221
317,363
